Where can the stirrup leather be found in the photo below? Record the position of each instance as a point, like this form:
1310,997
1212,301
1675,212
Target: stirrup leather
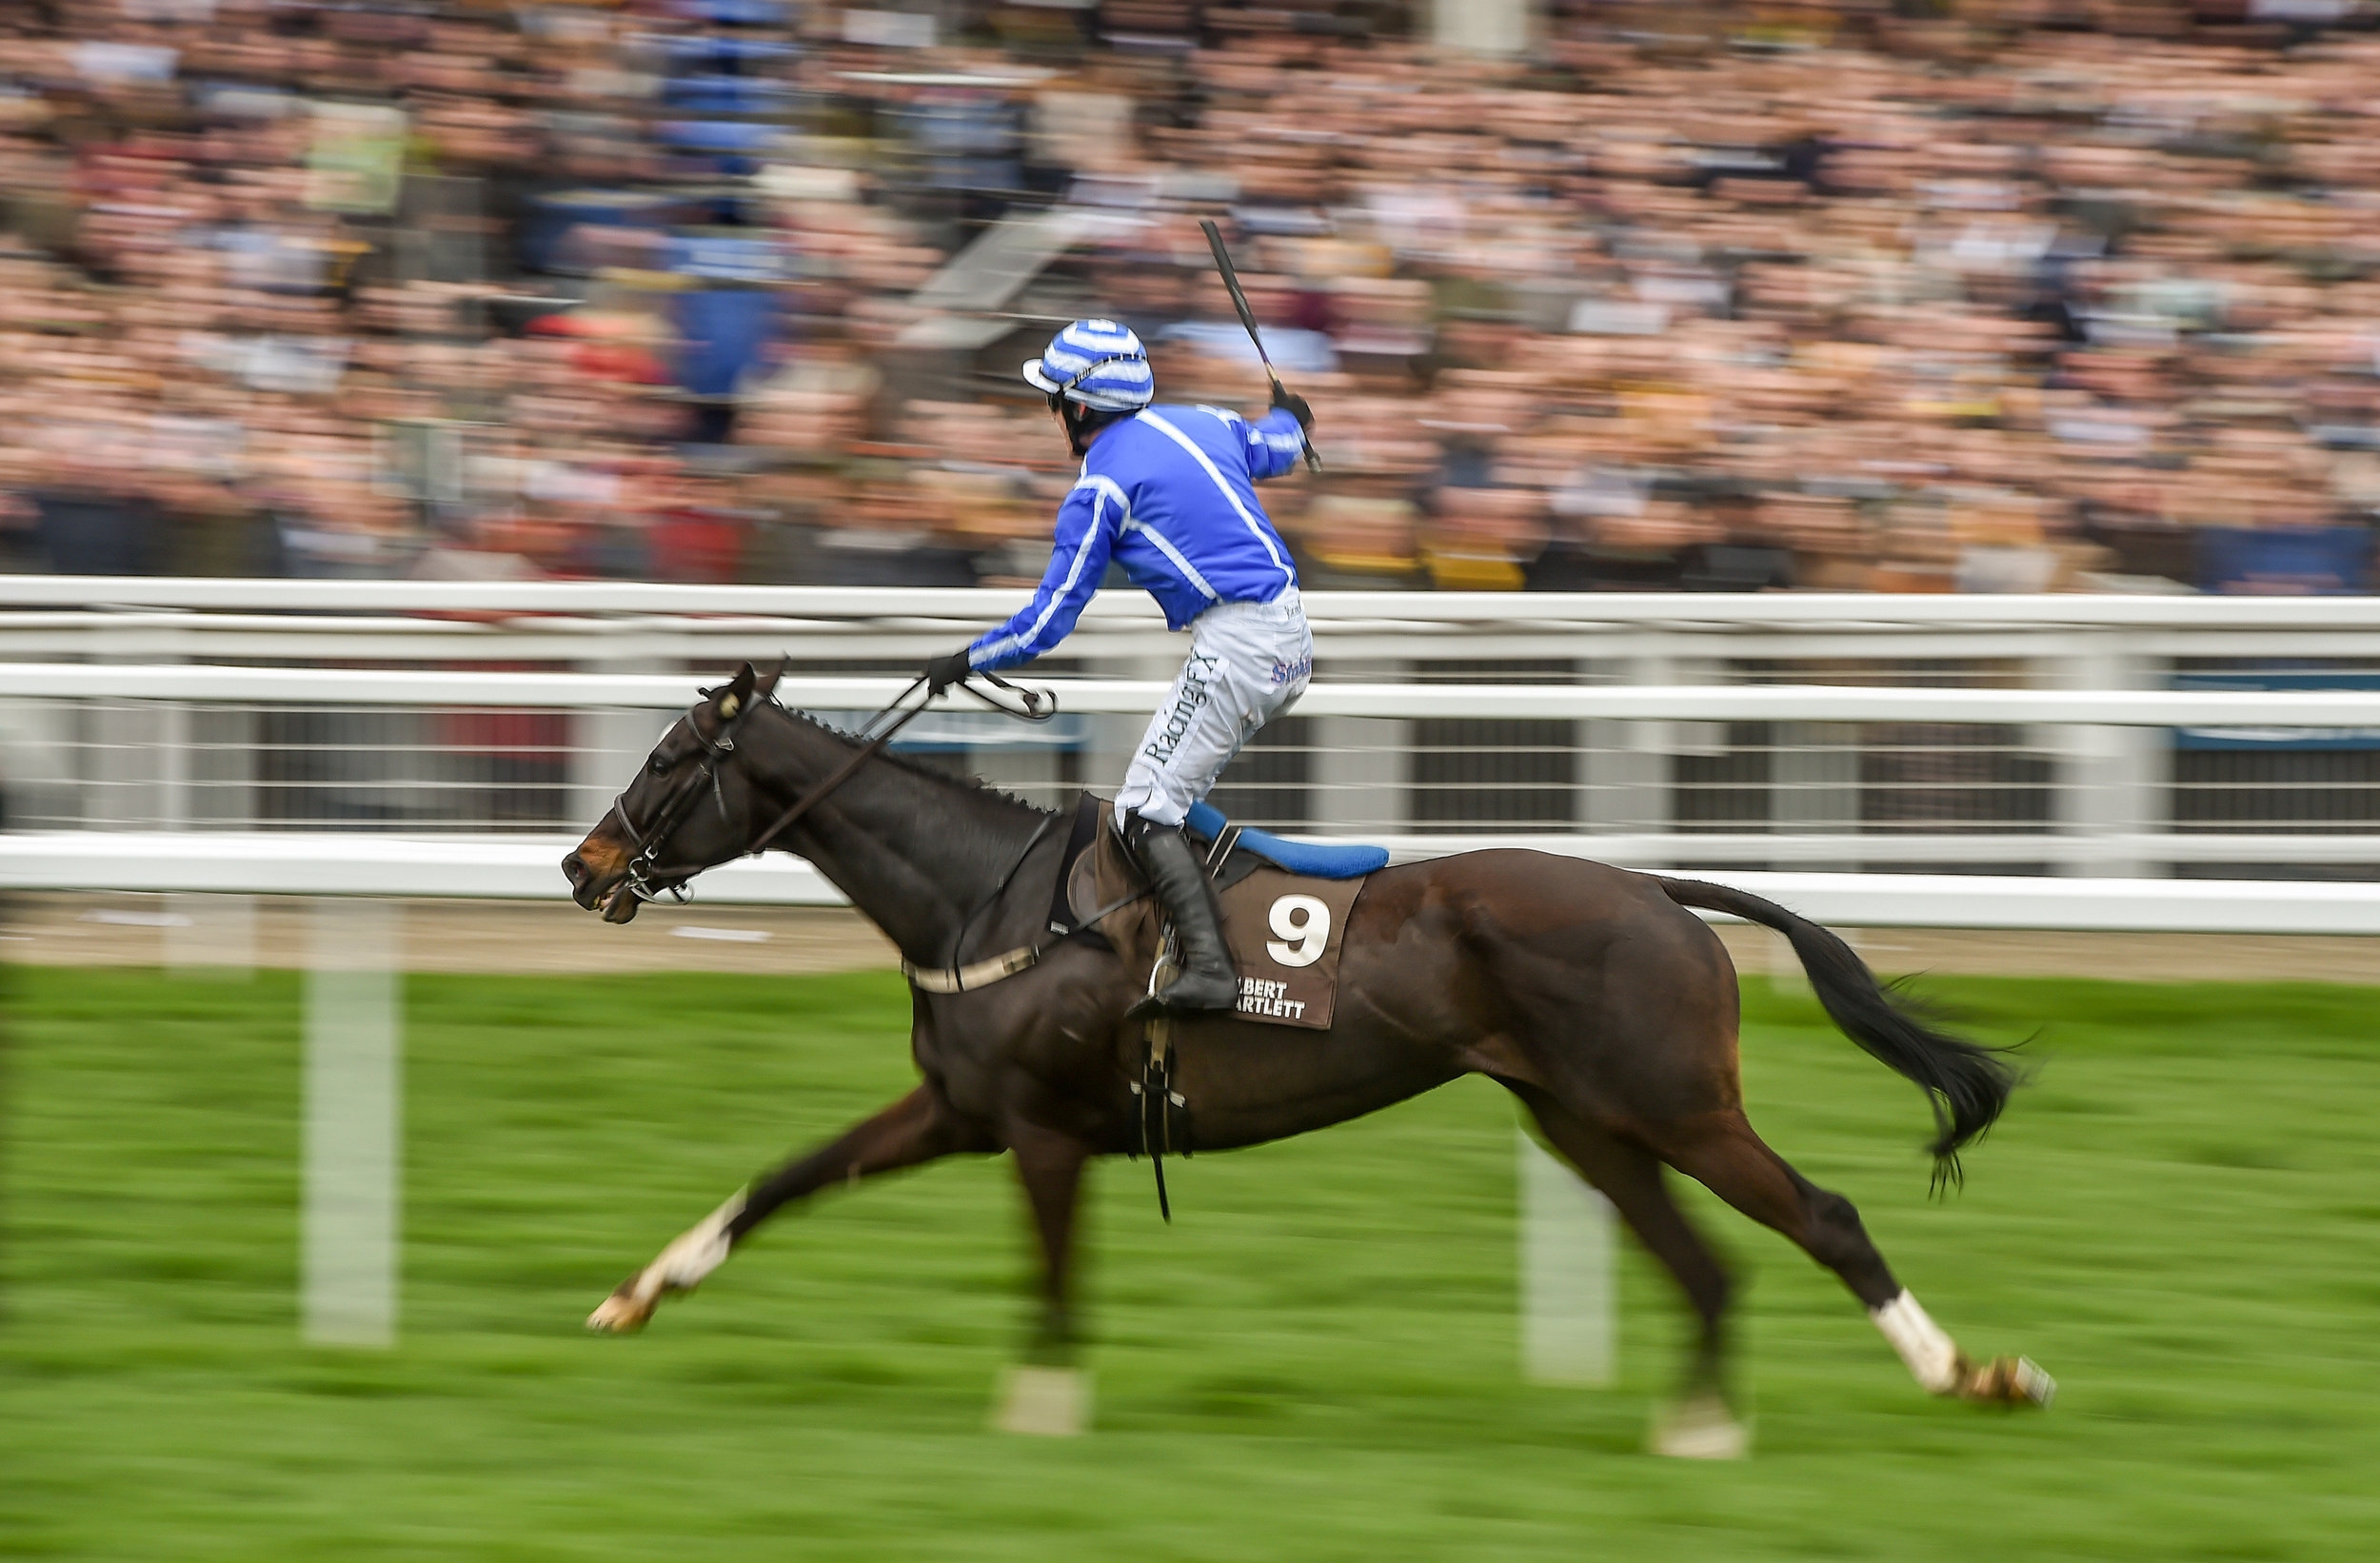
1162,1107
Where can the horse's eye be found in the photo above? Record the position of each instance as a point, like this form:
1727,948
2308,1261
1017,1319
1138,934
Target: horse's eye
659,765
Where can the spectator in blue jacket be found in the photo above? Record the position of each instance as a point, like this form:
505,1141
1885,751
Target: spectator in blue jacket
1169,493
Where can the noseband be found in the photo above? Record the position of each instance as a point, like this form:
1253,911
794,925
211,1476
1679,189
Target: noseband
647,880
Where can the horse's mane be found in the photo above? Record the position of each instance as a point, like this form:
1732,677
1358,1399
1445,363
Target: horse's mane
971,786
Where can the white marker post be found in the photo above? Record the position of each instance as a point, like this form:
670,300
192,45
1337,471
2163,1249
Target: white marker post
347,1270
1569,1327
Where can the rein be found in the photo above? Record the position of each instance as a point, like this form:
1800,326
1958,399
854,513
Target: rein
647,880
868,751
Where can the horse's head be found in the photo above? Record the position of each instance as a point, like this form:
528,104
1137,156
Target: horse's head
689,807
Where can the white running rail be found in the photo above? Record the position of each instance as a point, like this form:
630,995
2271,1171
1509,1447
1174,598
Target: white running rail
2112,761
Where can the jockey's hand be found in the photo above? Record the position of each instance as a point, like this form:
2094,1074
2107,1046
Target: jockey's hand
941,672
1297,405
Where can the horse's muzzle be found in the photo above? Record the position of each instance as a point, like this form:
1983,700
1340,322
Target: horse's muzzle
600,887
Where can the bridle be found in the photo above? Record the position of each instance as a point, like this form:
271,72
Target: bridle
646,879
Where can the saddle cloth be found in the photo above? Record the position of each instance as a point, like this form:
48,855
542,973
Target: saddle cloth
1284,929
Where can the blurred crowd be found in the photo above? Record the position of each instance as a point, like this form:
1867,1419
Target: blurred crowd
2007,296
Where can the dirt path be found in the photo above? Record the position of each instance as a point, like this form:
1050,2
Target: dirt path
443,935
544,937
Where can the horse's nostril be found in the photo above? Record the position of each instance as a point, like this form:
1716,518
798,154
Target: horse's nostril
574,870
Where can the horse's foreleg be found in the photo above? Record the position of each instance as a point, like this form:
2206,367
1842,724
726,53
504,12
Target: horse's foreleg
918,1128
1047,1394
1050,1166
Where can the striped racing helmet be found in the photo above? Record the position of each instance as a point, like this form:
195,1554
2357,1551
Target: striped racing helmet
1097,363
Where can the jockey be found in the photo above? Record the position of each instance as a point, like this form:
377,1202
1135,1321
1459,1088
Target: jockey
1167,492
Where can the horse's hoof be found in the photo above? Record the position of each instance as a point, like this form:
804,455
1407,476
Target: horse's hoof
1701,1429
2009,1381
691,1255
1043,1403
619,1314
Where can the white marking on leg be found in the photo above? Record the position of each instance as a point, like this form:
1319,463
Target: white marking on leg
700,1250
1932,1356
1701,1429
679,1268
1043,1402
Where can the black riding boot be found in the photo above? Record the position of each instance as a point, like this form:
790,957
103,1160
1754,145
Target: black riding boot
1207,980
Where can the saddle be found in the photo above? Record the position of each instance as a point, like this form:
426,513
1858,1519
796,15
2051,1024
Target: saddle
1285,907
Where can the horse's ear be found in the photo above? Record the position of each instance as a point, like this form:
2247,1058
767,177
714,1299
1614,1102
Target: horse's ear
767,688
739,691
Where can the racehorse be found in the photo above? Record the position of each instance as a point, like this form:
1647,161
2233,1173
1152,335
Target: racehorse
1592,993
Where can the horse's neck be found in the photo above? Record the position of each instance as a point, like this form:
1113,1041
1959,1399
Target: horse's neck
915,856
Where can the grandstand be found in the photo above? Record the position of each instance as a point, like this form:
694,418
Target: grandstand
1986,297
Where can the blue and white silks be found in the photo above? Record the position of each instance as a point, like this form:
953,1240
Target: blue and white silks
1170,495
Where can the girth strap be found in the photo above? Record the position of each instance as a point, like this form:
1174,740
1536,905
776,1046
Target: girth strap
999,968
976,974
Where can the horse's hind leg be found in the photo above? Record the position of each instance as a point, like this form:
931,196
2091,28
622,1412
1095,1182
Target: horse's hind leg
1701,1425
1721,1152
918,1128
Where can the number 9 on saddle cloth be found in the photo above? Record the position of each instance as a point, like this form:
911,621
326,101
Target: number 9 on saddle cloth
1286,906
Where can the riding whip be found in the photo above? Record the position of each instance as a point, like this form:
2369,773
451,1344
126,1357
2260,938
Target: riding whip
1247,318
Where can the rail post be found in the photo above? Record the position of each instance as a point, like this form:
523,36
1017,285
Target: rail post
1627,771
1569,1330
354,1141
2112,781
607,743
1360,776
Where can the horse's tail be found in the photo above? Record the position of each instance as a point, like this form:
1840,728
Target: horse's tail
1966,1083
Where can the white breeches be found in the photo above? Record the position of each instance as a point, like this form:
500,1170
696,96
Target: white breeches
1248,662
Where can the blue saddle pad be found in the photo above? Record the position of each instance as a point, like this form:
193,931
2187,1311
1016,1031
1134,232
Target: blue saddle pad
1322,862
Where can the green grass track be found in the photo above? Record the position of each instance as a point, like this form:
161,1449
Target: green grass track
2180,1219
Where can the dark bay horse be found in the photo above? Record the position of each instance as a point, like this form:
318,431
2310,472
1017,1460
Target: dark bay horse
1591,993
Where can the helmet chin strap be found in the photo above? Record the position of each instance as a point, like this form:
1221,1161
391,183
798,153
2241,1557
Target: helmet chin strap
1071,412
1074,415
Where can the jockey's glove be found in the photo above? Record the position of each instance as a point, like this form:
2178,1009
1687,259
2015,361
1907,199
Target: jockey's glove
943,671
1298,408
